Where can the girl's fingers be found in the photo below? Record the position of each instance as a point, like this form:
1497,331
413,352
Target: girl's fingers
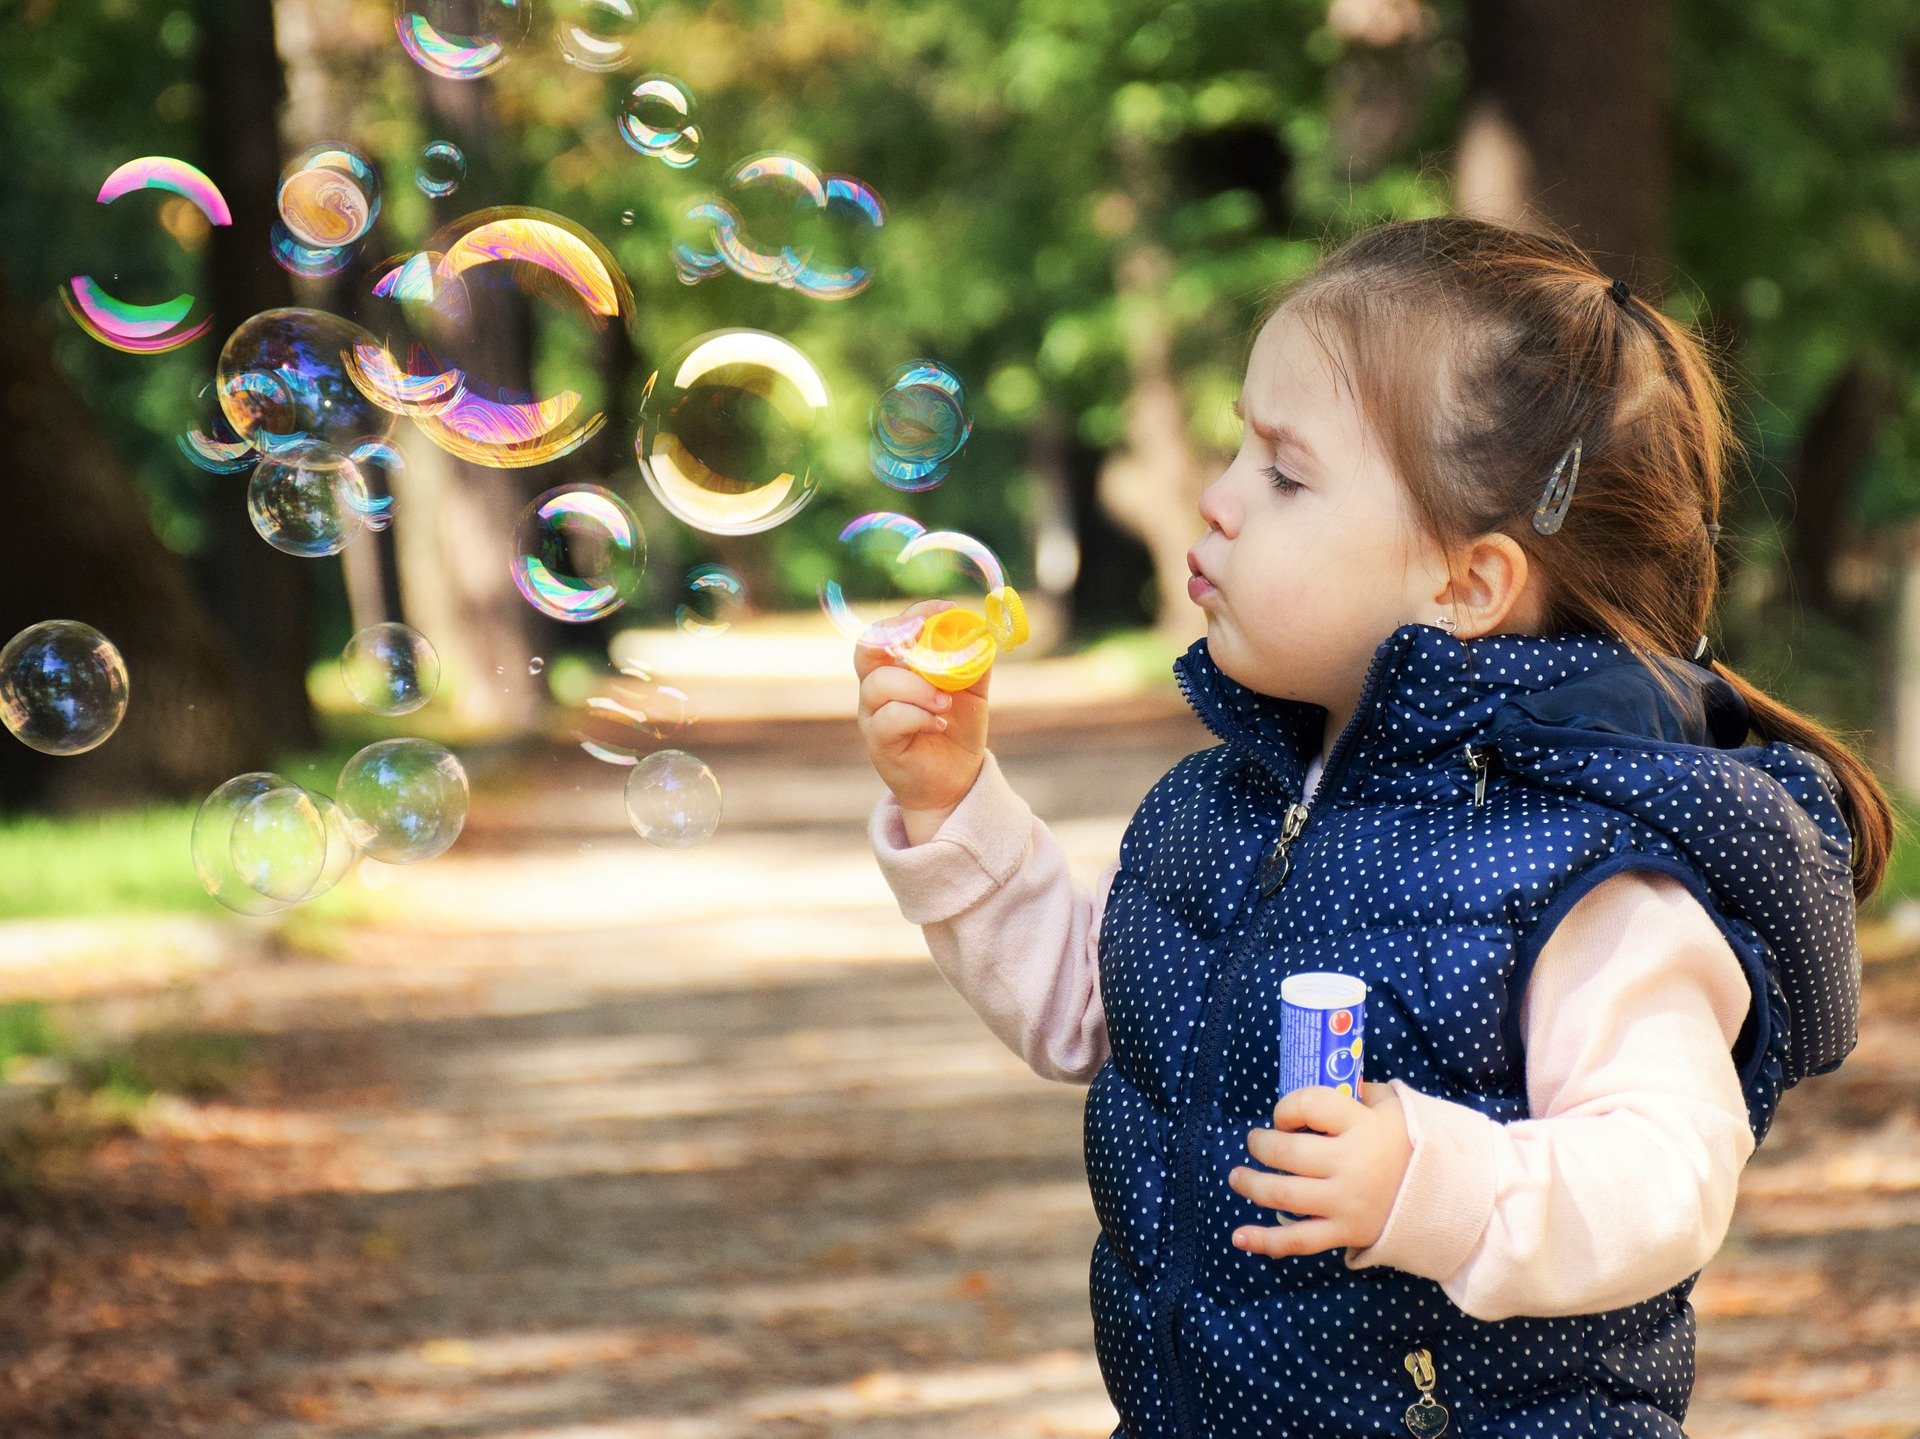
1291,1192
1297,1152
897,720
1308,1236
893,682
870,652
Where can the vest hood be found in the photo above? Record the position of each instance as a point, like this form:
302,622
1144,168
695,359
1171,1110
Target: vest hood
1581,716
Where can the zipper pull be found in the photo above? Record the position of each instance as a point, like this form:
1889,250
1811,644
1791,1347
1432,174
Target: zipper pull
1428,1416
1478,763
1278,864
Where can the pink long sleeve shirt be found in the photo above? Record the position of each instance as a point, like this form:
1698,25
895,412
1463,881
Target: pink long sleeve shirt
1622,1183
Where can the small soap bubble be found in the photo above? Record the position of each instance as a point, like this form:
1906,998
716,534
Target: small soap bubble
578,553
443,165
278,843
714,597
307,500
656,112
597,34
405,799
673,799
632,712
329,196
536,665
919,424
627,217
853,215
390,669
728,429
282,381
461,39
63,687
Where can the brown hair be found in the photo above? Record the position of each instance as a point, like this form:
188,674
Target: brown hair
1478,352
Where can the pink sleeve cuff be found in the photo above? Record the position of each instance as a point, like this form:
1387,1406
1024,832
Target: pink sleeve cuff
1446,1197
977,849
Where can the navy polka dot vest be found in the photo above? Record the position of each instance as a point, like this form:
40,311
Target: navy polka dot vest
1479,790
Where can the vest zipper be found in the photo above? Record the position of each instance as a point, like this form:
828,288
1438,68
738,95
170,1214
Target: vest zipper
1278,863
1478,763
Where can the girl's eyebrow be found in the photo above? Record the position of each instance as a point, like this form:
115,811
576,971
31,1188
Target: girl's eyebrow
1280,436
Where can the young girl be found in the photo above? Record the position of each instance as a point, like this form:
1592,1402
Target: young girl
1602,898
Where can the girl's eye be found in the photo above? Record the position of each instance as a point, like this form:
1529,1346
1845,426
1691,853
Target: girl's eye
1280,482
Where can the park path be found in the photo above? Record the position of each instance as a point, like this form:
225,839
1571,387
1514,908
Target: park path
595,1141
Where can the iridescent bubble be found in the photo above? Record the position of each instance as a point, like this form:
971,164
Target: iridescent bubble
727,432
655,120
307,261
212,842
856,206
443,165
282,381
777,200
329,196
673,799
714,597
536,665
404,799
919,424
484,265
578,553
461,39
874,539
696,244
631,711
211,443
146,329
627,217
379,463
390,669
307,500
278,843
63,687
597,34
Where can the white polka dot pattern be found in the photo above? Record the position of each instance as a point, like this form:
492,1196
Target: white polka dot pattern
1440,904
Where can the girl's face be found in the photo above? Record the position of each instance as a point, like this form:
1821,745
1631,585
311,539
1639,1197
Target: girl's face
1310,558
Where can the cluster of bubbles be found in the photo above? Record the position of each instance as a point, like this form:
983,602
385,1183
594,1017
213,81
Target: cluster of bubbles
147,329
783,223
466,39
328,199
63,687
657,120
919,424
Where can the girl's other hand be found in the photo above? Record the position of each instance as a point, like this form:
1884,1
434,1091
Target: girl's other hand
1344,1160
926,745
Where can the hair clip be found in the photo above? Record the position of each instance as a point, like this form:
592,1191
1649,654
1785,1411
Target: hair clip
1554,500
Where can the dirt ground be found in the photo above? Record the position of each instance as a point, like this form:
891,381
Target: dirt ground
597,1141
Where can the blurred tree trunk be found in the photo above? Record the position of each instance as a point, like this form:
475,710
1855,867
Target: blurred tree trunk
1566,122
263,599
87,551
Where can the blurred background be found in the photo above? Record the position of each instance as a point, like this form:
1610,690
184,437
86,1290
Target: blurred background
563,1132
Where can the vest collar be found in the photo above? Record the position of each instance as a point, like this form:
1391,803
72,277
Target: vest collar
1427,693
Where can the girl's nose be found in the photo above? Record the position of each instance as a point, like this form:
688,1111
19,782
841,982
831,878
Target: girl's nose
1215,507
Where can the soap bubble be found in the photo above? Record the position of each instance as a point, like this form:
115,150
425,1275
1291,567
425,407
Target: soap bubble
778,200
390,669
307,500
578,553
63,687
633,711
919,424
727,431
404,799
282,382
673,799
714,596
696,244
146,329
211,443
443,165
329,196
278,843
461,39
307,261
655,121
858,204
445,307
597,34
212,843
379,463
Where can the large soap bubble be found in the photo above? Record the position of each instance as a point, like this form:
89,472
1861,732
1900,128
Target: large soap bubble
282,381
404,799
727,432
390,668
307,500
919,424
146,329
329,196
63,687
630,714
578,553
261,843
673,799
461,39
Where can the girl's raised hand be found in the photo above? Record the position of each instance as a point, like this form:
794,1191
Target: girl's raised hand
1344,1161
926,745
